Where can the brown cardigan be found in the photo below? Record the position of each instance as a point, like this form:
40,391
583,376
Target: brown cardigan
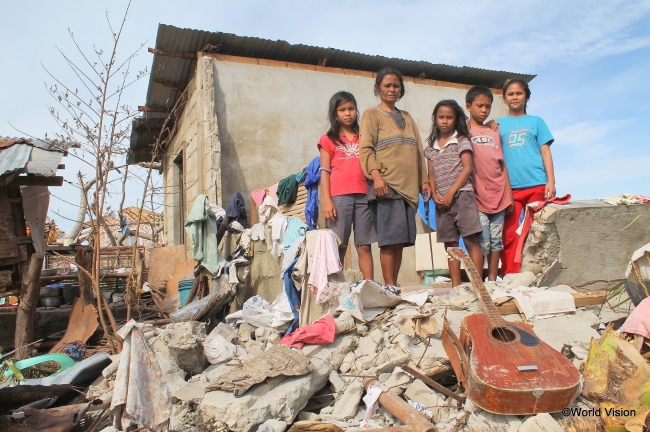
396,153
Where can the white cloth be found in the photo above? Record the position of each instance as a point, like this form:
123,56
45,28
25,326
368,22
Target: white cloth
258,232
217,349
325,260
367,300
139,384
278,226
278,314
643,266
370,399
268,208
291,254
217,210
538,303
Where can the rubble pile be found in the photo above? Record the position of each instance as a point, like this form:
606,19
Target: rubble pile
246,378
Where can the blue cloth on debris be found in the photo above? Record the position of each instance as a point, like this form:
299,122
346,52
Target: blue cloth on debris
295,229
292,294
311,183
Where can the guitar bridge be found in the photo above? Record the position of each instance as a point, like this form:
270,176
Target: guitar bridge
537,391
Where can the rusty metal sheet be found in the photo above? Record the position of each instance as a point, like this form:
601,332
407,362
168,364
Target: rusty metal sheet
81,326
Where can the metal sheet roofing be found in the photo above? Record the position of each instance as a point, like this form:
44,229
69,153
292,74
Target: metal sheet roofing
16,153
177,40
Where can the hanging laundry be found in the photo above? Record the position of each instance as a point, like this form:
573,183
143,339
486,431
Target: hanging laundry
218,211
529,216
292,294
258,196
268,208
288,190
295,229
311,183
325,261
320,332
291,253
201,226
258,232
236,211
278,226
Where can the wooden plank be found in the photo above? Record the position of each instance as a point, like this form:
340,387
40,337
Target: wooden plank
581,300
37,181
163,263
156,109
8,244
5,278
182,55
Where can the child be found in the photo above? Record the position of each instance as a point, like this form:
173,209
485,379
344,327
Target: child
527,153
490,176
450,167
343,183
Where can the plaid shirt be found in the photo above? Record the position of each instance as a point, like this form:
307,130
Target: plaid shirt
447,164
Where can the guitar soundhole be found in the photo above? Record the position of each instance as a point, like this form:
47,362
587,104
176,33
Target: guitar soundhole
504,335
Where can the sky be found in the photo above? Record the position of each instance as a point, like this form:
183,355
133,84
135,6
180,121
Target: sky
591,60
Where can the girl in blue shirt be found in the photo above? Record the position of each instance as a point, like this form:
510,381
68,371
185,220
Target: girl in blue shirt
526,142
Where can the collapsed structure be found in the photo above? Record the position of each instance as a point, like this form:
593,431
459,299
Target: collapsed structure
246,322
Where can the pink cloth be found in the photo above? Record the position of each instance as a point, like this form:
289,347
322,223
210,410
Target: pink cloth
638,322
320,332
529,216
487,176
326,260
258,196
347,176
273,191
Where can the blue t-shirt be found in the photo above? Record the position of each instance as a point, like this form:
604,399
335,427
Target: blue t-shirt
521,138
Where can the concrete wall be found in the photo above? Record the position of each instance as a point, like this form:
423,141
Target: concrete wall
248,125
586,244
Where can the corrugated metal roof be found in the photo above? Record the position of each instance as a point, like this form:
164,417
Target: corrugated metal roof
14,158
173,69
15,154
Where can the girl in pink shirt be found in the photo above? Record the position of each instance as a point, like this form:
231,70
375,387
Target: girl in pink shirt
344,186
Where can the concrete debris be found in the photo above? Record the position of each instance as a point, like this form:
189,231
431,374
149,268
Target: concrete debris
257,385
540,423
185,343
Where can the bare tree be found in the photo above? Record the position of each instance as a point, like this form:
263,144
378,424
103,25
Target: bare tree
92,112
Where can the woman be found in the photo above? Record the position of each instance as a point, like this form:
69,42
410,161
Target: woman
391,156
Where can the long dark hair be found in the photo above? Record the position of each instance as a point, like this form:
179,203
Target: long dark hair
389,71
334,133
461,121
523,84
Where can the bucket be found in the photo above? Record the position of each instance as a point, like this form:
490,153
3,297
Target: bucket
184,288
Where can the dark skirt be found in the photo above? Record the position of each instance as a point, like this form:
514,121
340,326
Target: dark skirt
394,218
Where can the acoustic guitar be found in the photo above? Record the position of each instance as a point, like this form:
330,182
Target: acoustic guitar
503,366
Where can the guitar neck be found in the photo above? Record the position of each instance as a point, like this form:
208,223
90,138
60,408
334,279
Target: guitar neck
484,297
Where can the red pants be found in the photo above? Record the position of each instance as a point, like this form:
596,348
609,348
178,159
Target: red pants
510,224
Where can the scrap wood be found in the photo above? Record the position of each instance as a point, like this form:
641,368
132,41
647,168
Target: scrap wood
431,383
581,299
413,420
61,419
183,271
81,325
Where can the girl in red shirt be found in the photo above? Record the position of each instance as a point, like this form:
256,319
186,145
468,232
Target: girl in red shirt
343,183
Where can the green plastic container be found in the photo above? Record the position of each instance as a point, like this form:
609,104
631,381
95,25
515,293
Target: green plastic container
63,360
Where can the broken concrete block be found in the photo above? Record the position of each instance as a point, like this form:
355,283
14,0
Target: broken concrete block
214,371
555,331
397,382
185,343
191,392
278,398
246,332
462,301
307,416
362,330
421,393
390,365
368,344
111,369
346,406
345,367
540,423
523,279
267,334
228,333
274,425
344,323
337,382
173,375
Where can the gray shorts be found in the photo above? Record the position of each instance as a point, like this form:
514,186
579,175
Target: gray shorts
352,209
492,231
460,219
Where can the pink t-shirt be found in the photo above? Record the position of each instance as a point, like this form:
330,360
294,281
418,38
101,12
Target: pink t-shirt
347,177
487,177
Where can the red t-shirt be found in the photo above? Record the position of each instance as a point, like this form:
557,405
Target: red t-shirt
346,177
487,177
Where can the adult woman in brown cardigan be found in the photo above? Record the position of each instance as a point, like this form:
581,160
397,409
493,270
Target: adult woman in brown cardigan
392,158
